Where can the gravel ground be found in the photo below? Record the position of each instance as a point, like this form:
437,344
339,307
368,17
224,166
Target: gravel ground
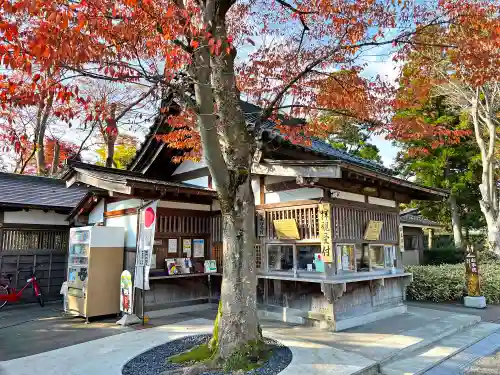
153,361
486,366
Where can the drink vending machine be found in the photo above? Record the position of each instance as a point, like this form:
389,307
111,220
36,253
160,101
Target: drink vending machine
95,263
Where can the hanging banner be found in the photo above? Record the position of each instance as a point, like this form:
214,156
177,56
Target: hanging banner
325,231
126,292
145,242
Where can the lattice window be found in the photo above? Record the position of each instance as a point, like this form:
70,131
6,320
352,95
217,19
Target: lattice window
306,217
14,239
258,256
217,255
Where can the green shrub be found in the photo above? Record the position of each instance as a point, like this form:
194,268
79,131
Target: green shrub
446,282
444,255
486,256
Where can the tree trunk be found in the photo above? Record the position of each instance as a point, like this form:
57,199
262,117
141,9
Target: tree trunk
55,160
239,323
110,151
489,199
228,151
41,125
455,221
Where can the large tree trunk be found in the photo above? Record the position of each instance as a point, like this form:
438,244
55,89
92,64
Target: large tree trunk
228,152
455,221
239,324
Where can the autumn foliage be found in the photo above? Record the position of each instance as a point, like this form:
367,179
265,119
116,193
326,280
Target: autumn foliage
301,57
446,59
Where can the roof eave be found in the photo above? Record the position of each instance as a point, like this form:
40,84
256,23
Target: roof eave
438,193
35,206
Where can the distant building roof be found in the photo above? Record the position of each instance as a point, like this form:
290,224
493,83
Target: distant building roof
412,217
109,178
23,191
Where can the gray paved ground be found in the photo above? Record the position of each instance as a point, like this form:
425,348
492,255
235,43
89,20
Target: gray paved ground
30,329
27,330
486,366
490,314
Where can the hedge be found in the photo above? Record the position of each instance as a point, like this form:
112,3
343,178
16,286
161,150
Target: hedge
446,282
446,255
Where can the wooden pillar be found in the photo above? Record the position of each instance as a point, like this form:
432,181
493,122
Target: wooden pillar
1,230
262,187
430,234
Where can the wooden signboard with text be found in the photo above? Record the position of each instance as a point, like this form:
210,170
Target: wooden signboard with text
373,229
325,231
286,229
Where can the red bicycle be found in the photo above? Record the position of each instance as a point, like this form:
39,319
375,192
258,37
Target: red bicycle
8,294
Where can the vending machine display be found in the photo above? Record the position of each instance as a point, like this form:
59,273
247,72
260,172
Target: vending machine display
95,262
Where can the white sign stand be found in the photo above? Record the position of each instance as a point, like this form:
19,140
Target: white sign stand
126,301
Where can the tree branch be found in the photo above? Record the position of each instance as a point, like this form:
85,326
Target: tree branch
293,9
332,111
133,104
25,163
85,140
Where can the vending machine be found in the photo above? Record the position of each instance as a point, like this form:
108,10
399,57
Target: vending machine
95,263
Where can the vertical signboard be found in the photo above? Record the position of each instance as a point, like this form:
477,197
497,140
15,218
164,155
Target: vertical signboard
126,292
145,242
472,273
401,239
325,231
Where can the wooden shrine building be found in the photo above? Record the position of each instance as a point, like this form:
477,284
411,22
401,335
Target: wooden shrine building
328,228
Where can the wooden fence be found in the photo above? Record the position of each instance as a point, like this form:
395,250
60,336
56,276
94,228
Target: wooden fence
46,249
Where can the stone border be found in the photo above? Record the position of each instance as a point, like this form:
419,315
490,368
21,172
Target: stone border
153,361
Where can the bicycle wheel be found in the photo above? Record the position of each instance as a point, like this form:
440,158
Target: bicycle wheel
40,300
37,291
3,292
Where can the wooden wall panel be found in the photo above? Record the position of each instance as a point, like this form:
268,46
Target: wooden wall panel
350,223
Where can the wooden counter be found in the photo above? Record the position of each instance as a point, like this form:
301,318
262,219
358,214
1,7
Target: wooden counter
310,277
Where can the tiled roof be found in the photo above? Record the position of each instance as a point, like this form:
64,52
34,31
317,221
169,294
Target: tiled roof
252,114
412,216
41,192
126,177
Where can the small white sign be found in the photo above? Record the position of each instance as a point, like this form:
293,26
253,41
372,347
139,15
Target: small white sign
345,262
199,248
172,245
186,247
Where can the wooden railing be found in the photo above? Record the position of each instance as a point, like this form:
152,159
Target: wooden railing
306,217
